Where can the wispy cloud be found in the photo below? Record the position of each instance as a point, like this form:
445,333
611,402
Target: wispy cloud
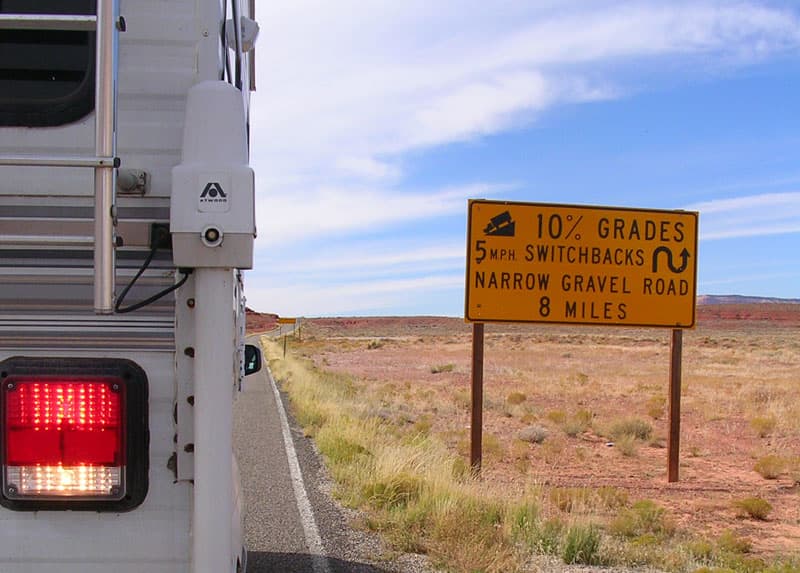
350,298
308,214
388,77
750,216
382,259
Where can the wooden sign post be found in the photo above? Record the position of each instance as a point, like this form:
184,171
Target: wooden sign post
674,440
476,428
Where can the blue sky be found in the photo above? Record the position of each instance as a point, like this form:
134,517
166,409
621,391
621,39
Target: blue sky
375,121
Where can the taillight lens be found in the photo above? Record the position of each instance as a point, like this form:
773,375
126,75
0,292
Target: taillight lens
74,434
64,437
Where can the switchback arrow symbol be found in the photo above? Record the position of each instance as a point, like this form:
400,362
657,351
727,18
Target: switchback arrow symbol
677,270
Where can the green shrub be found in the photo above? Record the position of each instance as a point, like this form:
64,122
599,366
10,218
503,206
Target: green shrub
701,549
626,445
462,399
586,499
568,499
492,446
578,423
422,426
656,406
438,369
524,519
794,471
763,425
338,449
395,491
784,567
612,497
581,545
533,434
754,507
729,542
630,427
645,517
547,537
770,466
557,416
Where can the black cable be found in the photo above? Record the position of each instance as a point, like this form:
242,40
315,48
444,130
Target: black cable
136,306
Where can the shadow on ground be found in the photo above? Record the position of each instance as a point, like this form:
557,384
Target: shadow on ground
265,562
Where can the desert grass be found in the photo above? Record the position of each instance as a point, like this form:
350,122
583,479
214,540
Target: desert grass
439,368
770,466
391,459
752,507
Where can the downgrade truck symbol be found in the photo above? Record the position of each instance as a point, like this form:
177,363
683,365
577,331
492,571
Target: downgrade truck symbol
500,226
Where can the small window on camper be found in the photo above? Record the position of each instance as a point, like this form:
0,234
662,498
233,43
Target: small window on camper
46,76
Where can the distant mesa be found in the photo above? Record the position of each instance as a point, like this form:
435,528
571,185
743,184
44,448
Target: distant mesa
260,321
705,299
784,311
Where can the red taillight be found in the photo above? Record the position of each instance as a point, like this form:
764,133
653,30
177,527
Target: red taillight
74,434
64,437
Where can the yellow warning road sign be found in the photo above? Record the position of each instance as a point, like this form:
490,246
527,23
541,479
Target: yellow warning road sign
538,262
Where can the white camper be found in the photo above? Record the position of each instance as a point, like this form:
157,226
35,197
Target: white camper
126,217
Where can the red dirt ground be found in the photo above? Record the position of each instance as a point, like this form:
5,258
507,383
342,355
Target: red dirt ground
740,359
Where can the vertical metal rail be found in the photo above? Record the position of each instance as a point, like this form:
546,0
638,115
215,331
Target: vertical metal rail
251,58
105,146
237,40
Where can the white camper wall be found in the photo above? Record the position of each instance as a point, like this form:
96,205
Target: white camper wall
45,294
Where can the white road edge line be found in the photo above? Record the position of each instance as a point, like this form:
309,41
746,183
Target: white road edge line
319,561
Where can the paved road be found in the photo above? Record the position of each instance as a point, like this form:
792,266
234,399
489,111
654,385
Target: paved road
291,525
285,496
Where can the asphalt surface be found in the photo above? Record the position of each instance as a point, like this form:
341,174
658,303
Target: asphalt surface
276,536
